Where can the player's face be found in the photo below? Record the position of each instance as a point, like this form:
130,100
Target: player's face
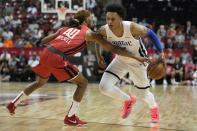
89,21
113,20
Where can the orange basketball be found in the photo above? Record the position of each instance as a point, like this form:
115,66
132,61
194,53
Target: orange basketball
156,70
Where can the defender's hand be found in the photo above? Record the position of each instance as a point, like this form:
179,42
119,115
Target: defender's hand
101,62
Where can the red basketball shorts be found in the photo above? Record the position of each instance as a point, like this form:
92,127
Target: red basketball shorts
55,64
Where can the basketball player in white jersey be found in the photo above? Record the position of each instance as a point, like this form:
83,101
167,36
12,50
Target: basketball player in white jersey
122,33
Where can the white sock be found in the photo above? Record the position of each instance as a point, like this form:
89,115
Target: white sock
107,87
150,99
73,108
19,98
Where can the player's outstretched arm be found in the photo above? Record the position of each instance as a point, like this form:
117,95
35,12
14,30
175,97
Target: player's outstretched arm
46,40
139,30
97,37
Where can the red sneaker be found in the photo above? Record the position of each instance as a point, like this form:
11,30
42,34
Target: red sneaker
73,121
11,107
127,106
154,115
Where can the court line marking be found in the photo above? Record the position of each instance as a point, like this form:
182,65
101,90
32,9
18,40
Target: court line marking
96,123
36,95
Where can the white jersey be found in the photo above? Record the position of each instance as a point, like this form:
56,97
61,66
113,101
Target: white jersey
127,41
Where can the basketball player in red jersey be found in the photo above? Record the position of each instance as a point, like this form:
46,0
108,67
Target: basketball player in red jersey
66,42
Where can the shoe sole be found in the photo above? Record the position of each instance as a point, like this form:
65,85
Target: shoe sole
75,125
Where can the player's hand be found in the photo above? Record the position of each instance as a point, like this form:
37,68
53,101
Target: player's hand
144,60
101,62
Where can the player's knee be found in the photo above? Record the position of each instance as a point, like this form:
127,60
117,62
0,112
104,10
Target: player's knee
103,87
141,93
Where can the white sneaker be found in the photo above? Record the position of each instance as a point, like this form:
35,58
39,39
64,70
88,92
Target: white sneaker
174,82
165,82
152,82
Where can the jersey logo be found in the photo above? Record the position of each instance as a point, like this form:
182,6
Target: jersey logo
71,32
122,43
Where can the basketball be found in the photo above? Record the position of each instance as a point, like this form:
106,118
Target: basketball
156,70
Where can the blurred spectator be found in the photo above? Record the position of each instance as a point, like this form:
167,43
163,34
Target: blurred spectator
21,69
30,75
19,42
195,55
9,8
16,22
22,56
171,32
188,28
177,72
5,55
146,43
8,17
1,41
2,20
8,33
194,40
143,22
90,60
185,56
33,26
180,39
8,43
168,75
156,55
190,78
90,4
170,60
13,68
173,24
28,44
190,65
161,32
169,44
4,72
32,9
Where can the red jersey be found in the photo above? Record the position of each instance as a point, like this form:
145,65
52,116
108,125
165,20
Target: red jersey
70,40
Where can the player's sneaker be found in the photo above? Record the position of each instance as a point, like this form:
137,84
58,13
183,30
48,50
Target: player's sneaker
73,121
11,108
127,106
154,115
154,127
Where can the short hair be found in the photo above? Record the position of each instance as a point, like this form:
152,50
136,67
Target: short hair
116,8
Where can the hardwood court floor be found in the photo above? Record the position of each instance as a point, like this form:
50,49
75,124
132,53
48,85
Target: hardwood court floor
46,108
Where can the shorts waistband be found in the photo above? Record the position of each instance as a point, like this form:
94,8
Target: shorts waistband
56,51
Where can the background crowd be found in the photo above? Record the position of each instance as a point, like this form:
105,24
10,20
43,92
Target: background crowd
23,25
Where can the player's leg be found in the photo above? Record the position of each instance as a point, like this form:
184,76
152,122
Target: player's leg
67,71
43,75
71,118
25,93
107,87
139,77
114,72
81,83
112,75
